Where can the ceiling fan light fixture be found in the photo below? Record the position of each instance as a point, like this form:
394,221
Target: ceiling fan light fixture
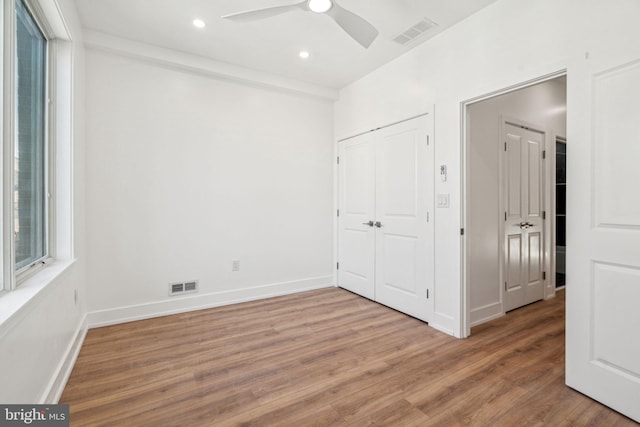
358,28
320,6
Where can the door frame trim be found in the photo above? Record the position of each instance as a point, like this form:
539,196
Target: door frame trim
465,321
383,126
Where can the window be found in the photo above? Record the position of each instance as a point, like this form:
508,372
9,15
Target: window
36,150
26,157
30,151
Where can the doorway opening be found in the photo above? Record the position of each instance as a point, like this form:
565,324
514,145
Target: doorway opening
510,159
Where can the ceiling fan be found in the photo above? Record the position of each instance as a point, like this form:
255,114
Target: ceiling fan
357,27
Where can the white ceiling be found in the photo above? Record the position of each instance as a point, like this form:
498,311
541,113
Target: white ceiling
272,45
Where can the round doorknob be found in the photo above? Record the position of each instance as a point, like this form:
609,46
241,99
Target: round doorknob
378,224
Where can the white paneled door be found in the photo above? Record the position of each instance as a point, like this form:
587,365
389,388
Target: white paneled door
404,237
356,243
386,233
603,266
524,228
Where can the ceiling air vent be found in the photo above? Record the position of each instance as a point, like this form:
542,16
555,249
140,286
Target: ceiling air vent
415,31
183,287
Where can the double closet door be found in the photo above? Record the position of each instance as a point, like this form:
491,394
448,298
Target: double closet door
386,245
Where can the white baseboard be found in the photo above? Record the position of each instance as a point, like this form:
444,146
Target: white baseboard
202,301
443,323
484,314
58,381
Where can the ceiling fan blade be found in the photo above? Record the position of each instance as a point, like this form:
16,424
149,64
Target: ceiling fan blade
255,15
358,28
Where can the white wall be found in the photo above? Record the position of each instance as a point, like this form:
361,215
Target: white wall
38,344
543,105
509,42
187,172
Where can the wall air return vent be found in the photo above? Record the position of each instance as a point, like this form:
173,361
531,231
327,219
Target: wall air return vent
176,288
415,31
183,288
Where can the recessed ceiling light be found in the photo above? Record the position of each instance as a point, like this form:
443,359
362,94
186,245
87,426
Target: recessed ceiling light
304,54
320,6
199,23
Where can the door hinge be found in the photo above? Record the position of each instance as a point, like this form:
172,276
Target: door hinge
338,160
505,286
505,146
428,140
337,266
544,154
505,215
338,213
427,216
462,231
427,293
544,214
544,275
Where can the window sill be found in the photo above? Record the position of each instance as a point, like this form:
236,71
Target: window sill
17,302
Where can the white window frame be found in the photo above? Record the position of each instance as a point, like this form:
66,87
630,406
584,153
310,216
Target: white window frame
12,278
65,61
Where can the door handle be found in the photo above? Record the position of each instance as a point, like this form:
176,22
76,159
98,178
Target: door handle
525,225
378,224
370,223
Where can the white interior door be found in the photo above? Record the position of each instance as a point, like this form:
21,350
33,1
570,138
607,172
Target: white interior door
603,266
404,232
524,228
386,244
356,243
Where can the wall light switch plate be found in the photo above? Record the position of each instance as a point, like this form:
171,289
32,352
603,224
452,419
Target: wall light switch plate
443,200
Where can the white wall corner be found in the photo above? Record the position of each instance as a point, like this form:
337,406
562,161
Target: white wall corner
200,65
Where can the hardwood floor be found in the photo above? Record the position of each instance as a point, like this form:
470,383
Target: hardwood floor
327,358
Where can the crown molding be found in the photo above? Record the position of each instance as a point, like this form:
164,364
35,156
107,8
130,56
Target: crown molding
203,66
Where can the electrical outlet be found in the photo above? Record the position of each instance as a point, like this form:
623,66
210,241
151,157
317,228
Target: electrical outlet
235,265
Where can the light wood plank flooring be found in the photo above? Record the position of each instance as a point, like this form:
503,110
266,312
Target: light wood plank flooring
328,358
